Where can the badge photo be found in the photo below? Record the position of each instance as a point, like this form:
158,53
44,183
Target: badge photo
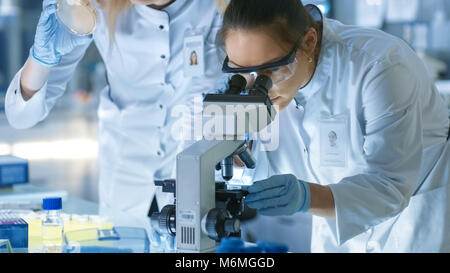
194,61
333,142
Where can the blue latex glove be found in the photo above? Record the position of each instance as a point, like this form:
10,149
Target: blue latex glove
52,39
169,243
161,243
279,195
155,239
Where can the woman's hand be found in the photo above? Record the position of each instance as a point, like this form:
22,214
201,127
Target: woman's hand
279,195
52,39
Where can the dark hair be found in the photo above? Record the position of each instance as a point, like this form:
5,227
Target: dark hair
288,18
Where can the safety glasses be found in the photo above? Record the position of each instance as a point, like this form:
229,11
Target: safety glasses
278,71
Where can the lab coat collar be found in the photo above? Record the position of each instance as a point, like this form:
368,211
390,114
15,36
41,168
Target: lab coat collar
177,6
161,16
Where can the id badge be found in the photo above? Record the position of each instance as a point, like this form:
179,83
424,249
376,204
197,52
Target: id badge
334,141
194,56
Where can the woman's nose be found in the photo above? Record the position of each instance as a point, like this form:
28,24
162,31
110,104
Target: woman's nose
267,73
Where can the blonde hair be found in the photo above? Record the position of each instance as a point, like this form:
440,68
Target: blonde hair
113,8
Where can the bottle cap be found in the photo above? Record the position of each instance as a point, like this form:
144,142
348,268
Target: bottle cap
53,203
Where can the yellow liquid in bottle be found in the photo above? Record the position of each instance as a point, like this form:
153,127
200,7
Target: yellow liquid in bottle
52,239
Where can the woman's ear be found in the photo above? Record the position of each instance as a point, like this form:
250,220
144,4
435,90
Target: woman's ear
310,41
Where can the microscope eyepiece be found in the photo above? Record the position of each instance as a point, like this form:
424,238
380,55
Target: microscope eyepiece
237,84
262,86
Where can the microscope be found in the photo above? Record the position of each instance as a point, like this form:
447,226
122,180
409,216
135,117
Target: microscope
206,211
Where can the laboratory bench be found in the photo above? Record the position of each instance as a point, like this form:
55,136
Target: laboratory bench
29,196
84,218
85,235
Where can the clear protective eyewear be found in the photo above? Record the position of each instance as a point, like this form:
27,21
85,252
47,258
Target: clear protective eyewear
78,16
278,71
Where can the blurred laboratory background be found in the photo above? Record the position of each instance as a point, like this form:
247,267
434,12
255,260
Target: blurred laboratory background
62,150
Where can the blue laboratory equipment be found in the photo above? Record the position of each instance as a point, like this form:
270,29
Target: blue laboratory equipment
13,170
14,229
5,244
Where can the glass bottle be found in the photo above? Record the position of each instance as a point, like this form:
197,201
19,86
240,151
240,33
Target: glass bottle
52,226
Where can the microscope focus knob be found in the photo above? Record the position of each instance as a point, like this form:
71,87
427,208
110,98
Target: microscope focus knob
219,223
232,225
164,221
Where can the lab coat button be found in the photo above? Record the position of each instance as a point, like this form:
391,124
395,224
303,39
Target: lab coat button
161,27
163,56
161,106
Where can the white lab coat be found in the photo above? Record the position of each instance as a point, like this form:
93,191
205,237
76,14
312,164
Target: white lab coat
393,195
145,81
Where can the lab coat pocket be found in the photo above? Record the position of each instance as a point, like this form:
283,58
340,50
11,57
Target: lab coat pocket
130,137
141,127
107,112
